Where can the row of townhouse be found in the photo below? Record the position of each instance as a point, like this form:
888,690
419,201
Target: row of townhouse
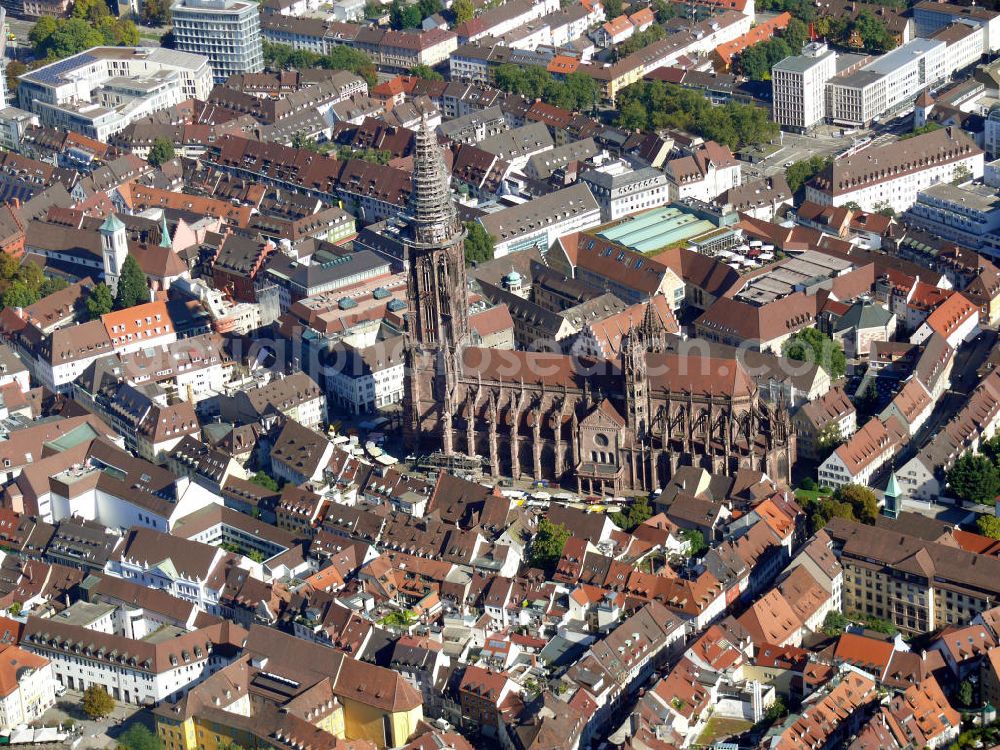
373,191
923,477
870,448
389,49
700,38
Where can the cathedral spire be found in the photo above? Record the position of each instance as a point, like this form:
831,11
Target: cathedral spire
434,219
652,331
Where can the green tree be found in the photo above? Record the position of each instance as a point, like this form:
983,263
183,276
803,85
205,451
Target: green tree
875,36
100,301
15,609
50,286
161,151
69,37
974,479
478,243
835,623
801,172
639,40
15,69
426,72
612,8
411,17
633,116
90,10
776,710
373,155
547,545
965,694
796,34
885,209
19,294
342,57
634,515
300,140
428,8
867,403
138,737
669,106
463,10
155,13
812,345
864,504
97,703
118,32
829,438
664,10
132,286
41,31
756,62
256,555
695,541
991,449
989,526
403,15
265,481
821,510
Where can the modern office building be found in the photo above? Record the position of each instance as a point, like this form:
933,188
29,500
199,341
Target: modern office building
227,32
799,84
100,91
891,82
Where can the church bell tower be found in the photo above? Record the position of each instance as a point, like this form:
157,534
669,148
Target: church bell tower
437,322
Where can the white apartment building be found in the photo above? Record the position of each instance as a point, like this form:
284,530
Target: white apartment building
968,215
893,175
191,369
13,123
798,84
138,672
100,91
365,374
709,171
227,32
621,190
507,17
30,686
864,453
966,44
91,494
189,570
539,222
929,17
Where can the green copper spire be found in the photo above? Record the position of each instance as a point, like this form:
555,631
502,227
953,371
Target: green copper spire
164,233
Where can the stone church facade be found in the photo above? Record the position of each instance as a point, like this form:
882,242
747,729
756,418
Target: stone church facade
602,426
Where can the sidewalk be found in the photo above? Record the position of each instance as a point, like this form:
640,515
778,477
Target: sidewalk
94,734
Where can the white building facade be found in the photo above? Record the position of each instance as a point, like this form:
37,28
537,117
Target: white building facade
799,87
